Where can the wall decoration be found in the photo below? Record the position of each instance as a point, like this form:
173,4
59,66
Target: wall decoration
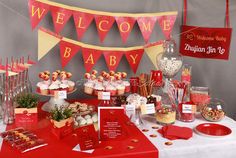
91,53
104,20
205,42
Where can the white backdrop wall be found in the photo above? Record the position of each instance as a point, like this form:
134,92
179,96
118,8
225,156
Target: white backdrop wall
17,39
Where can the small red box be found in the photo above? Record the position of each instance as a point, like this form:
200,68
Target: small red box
62,128
26,116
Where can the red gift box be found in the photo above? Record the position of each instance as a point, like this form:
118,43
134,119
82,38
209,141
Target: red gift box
26,116
62,128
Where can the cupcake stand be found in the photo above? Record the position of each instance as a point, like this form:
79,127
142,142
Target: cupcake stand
54,101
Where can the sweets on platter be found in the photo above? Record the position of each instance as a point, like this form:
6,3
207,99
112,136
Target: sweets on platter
22,140
84,114
59,81
113,82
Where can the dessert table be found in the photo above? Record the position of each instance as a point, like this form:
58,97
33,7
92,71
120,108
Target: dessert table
196,147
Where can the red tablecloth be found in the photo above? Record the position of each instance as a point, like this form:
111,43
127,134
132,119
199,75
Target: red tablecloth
63,148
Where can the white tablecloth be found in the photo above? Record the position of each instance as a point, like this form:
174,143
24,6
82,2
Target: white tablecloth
198,146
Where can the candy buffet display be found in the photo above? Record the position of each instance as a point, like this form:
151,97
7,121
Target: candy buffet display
59,81
214,110
113,82
22,140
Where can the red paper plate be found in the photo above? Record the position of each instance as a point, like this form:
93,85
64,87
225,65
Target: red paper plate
213,130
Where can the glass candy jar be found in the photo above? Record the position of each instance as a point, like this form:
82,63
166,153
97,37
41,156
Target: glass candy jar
214,110
166,114
170,61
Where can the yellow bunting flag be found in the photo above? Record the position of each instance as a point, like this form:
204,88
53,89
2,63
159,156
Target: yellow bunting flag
46,42
153,50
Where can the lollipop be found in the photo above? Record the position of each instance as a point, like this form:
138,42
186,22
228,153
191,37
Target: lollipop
100,78
123,74
46,72
117,77
46,78
54,73
58,72
94,72
41,75
87,75
68,75
103,73
63,76
112,78
54,77
93,77
112,73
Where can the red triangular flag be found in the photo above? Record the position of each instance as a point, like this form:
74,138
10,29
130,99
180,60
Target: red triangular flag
37,11
67,51
104,24
112,59
82,22
134,57
166,23
90,57
60,16
146,25
125,26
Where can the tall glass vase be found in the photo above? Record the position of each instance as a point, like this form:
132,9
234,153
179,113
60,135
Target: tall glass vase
8,108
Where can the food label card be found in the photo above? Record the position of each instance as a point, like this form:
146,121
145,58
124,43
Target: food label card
148,109
60,94
111,121
188,108
130,111
104,95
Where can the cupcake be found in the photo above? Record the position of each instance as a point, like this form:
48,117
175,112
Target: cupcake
88,87
120,89
98,88
127,86
53,87
42,88
111,89
71,85
64,86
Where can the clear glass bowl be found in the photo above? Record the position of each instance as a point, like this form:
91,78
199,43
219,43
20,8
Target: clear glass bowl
214,110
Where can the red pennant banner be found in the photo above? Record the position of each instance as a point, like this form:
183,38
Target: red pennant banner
134,57
125,26
67,51
82,22
112,59
60,17
146,25
166,23
104,24
90,57
37,11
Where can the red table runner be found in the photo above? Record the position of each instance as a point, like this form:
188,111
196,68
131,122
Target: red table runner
63,148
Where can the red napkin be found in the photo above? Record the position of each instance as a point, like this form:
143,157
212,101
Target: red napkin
173,132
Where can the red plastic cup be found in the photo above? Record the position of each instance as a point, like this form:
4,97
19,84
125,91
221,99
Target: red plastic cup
134,81
156,77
